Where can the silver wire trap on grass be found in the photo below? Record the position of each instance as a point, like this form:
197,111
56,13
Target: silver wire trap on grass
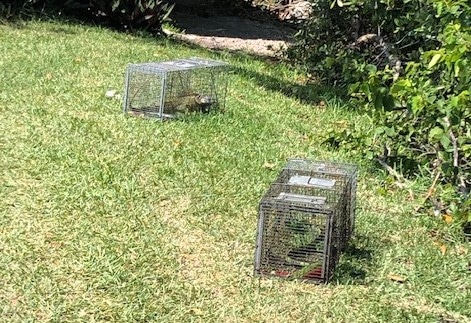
305,220
170,89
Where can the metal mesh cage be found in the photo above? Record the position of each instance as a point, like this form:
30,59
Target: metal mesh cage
173,88
299,232
340,172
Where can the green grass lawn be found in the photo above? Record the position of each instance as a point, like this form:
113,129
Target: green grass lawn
110,218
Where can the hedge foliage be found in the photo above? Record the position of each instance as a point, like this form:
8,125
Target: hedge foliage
406,63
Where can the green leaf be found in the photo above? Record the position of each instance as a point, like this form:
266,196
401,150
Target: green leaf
378,101
455,101
390,132
466,148
457,68
417,104
372,69
445,141
401,85
388,103
435,133
439,9
353,87
434,60
379,131
431,99
365,89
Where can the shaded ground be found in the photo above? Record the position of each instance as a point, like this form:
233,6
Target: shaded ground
233,33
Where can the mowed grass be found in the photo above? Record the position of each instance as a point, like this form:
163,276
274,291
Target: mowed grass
110,218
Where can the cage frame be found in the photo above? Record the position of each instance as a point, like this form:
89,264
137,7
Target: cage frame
162,70
332,246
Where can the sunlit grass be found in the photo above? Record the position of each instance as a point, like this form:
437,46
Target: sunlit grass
111,218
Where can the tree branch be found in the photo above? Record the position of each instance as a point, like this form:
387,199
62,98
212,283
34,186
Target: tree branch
454,142
430,191
368,39
401,181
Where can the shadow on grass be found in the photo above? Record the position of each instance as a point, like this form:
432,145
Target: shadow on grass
354,264
308,93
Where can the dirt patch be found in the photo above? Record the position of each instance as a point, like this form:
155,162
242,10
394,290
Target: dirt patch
233,33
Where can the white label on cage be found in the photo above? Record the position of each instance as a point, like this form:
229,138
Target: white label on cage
299,180
319,200
311,181
321,182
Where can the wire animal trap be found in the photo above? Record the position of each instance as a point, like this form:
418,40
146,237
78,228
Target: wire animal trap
298,234
174,88
337,172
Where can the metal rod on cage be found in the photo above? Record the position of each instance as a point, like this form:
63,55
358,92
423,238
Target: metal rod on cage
258,250
126,98
162,95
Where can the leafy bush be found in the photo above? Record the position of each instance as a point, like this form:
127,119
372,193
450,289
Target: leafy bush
133,14
406,64
123,14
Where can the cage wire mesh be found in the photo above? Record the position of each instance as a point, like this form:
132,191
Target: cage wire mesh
306,219
342,172
298,234
174,88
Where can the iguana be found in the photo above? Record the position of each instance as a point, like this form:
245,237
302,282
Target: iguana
189,103
182,104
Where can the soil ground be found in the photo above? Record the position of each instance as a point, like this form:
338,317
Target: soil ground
259,36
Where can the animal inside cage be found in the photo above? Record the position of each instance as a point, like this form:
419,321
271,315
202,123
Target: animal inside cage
174,88
339,172
299,231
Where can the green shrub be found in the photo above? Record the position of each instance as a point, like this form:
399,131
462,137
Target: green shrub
406,64
133,14
123,14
